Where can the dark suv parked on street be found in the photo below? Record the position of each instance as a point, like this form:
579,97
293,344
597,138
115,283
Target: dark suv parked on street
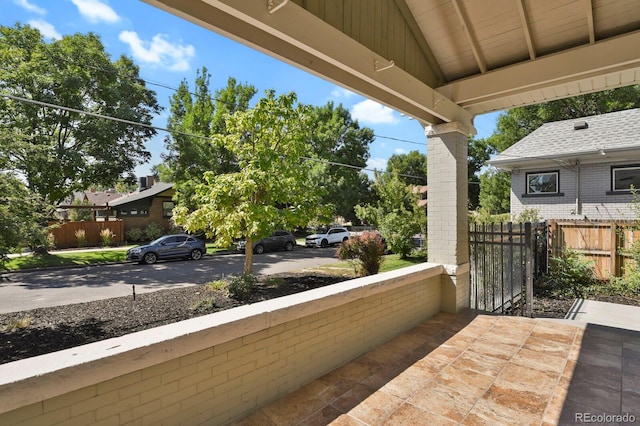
277,241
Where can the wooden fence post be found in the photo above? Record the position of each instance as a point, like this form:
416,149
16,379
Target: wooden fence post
528,268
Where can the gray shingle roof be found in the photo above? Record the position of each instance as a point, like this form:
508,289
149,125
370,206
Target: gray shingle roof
609,132
136,196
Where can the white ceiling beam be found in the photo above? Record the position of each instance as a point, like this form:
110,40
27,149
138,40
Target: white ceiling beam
470,36
590,25
526,28
298,37
604,57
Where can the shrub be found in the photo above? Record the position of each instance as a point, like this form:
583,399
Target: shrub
81,237
218,285
364,251
273,281
153,231
106,237
15,324
570,275
205,304
134,234
241,286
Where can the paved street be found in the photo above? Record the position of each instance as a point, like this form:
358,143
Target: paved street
30,290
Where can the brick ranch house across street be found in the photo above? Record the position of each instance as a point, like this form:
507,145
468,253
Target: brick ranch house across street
577,169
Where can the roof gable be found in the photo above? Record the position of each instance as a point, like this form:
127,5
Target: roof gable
604,134
154,191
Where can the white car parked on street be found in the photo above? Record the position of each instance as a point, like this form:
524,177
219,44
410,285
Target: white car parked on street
332,236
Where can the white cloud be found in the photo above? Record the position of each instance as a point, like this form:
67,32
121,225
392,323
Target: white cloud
96,11
159,51
30,7
47,30
340,92
399,151
371,112
379,164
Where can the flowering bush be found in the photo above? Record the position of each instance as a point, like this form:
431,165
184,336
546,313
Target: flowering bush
365,251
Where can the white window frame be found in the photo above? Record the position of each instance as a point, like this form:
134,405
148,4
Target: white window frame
615,169
555,172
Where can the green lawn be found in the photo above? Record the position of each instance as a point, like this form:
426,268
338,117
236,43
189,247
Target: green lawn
79,258
391,262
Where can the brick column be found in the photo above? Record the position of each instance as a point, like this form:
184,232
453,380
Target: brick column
448,227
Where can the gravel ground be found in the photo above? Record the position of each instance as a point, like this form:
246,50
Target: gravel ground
47,330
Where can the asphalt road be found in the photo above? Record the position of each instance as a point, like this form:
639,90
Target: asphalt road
53,287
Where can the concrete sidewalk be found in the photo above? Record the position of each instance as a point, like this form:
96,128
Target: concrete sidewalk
604,313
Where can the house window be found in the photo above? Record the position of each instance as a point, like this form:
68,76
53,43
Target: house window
542,183
167,208
622,178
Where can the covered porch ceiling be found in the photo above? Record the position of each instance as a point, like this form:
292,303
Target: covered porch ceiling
440,60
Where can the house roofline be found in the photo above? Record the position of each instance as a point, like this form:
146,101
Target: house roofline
602,155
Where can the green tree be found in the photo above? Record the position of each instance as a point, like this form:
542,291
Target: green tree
270,189
80,214
23,216
479,151
396,213
194,118
337,138
59,151
495,187
411,168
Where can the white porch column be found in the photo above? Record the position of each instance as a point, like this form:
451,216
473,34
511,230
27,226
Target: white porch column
448,227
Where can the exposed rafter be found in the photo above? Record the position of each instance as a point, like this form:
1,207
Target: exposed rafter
590,25
526,28
470,36
607,57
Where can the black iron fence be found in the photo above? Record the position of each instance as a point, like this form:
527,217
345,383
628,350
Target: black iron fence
506,260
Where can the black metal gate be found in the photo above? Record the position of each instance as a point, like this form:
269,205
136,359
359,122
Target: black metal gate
506,261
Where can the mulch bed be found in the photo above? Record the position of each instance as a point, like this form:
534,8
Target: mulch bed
62,327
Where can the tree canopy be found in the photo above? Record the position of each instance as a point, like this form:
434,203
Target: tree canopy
271,187
23,215
60,150
411,168
396,213
194,117
337,139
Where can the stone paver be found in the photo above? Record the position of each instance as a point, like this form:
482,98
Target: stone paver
476,369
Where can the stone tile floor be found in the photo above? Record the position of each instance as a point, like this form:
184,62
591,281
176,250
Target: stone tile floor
475,369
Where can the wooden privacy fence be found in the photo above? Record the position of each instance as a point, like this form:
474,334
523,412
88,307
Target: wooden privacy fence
64,233
606,243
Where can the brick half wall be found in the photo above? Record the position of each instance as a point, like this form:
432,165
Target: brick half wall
219,367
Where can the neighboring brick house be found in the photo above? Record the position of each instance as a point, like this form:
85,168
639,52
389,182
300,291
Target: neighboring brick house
576,169
152,203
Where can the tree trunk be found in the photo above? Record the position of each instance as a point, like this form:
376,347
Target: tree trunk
248,258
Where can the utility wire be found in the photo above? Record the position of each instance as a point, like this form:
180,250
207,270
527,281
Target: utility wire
169,87
150,126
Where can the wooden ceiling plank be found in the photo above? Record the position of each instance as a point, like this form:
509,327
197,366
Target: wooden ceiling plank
470,36
418,35
526,28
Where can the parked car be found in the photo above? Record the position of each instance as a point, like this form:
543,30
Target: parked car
335,235
278,241
168,247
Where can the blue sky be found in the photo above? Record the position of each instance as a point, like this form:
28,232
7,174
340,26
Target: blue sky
169,50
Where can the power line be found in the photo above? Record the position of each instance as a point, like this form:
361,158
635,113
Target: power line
169,87
150,126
